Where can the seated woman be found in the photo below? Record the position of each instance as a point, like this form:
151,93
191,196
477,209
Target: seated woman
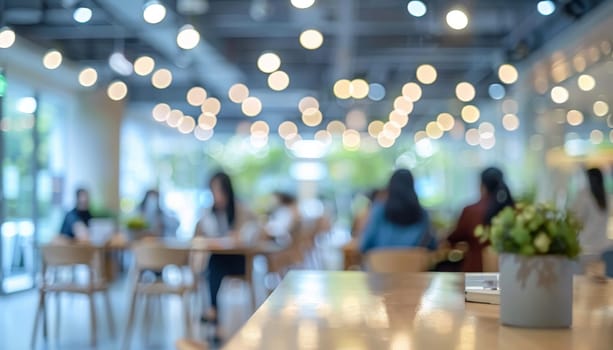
226,218
400,220
284,220
495,196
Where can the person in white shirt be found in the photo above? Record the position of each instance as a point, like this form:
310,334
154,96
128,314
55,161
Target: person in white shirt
591,209
284,220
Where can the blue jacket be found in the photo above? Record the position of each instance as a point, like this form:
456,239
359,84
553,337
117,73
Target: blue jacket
381,233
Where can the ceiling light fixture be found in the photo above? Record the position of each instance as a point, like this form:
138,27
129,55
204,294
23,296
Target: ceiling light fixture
302,4
546,7
154,12
7,38
269,62
88,77
188,37
311,39
52,59
120,64
416,8
457,19
144,65
82,14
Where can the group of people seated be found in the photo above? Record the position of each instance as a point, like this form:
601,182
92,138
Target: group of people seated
397,219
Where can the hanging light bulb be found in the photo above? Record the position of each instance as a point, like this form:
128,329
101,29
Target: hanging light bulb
154,12
188,37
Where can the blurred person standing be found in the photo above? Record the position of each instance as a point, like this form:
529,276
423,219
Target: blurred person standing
159,223
226,218
495,196
591,209
400,220
76,222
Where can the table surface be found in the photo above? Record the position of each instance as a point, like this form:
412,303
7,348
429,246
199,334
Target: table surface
357,310
222,245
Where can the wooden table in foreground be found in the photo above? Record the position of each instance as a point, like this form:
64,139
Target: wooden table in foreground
356,310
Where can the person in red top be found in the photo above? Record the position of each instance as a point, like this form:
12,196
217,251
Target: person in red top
495,196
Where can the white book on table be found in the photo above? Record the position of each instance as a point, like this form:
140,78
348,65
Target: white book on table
482,288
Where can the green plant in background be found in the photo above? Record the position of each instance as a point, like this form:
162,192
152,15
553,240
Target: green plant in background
533,229
136,223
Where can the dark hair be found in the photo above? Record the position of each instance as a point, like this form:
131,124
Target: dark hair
226,187
80,191
596,180
402,205
285,198
498,192
148,194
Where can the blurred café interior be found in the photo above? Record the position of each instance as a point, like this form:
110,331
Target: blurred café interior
215,150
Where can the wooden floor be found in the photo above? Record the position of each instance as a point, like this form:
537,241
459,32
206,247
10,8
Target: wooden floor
17,318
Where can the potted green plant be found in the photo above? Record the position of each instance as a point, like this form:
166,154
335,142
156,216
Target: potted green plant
537,244
137,227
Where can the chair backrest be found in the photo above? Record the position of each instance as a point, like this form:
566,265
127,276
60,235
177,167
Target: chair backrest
490,260
607,256
398,260
68,254
155,256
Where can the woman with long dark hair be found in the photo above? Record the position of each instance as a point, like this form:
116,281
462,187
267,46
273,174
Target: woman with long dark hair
591,209
225,218
495,196
400,220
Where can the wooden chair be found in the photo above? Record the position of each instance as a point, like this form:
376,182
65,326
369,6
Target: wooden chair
154,256
188,344
61,255
398,260
490,260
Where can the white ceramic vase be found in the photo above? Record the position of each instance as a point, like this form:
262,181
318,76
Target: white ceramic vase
536,291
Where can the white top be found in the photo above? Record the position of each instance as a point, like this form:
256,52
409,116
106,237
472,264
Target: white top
593,236
214,225
280,222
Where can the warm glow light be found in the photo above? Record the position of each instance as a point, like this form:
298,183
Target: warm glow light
211,105
487,143
433,130
187,125
574,117
486,130
420,135
411,91
202,134
311,39
416,8
385,141
596,137
375,128
154,12
342,89
269,62
302,4
465,92
472,137
579,63
144,65
308,102
600,108
586,82
278,80
117,90
507,74
399,119
161,79
52,59
351,140
445,121
260,127
426,74
207,121
356,119
174,118
251,106
324,137
457,19
559,94
7,38
287,130
188,37
160,112
82,14
358,88
196,96
238,93
510,122
312,117
470,113
402,105
88,77
335,127
391,130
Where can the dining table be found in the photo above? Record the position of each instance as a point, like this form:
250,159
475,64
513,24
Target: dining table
359,310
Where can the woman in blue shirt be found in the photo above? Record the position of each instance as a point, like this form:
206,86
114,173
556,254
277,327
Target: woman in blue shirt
399,221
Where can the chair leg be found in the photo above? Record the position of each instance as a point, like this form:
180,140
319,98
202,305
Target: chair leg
45,322
92,315
147,319
58,310
130,325
109,312
39,311
188,326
